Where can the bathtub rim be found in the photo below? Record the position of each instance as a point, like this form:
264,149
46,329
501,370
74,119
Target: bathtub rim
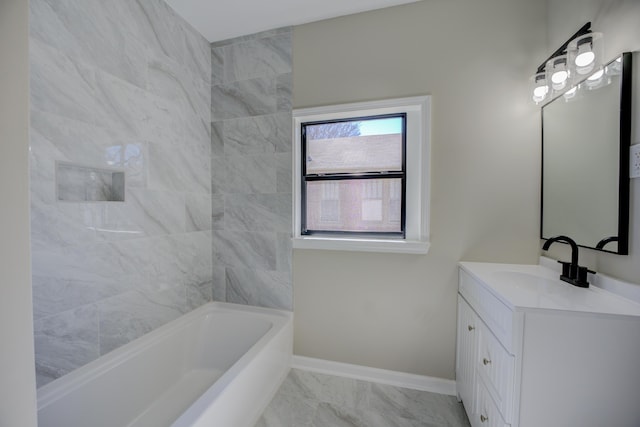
268,349
58,388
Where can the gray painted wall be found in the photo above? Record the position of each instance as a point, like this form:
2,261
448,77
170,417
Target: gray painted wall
251,169
396,311
18,385
125,85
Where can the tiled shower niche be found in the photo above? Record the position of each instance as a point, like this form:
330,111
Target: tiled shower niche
76,183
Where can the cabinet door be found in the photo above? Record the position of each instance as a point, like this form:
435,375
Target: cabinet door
466,353
485,413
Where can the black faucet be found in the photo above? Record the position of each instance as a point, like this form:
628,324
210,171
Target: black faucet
601,244
571,271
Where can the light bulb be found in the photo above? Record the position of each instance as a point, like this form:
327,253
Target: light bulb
585,58
539,87
540,92
557,73
559,77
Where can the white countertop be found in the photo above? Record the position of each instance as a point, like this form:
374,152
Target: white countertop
522,286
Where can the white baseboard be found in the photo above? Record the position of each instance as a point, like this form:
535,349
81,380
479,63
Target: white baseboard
381,376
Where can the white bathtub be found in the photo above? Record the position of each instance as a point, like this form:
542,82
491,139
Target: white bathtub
217,366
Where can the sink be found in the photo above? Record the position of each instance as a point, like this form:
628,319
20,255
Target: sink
519,278
524,286
541,285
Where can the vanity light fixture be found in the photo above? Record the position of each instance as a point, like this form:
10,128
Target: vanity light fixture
578,58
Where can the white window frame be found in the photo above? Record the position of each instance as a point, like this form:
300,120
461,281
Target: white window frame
418,168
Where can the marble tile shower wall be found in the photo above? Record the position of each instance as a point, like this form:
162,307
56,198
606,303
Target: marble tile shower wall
123,85
251,169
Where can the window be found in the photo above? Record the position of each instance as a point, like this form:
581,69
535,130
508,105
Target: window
348,169
361,176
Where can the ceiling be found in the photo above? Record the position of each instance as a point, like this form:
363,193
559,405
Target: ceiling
224,19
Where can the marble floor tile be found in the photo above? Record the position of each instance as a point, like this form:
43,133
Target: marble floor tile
286,410
308,399
338,416
338,391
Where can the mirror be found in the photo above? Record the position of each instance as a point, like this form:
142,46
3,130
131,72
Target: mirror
585,161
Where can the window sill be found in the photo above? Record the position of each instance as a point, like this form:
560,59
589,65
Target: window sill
362,245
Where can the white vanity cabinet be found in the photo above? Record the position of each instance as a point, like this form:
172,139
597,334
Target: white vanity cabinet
466,352
533,351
